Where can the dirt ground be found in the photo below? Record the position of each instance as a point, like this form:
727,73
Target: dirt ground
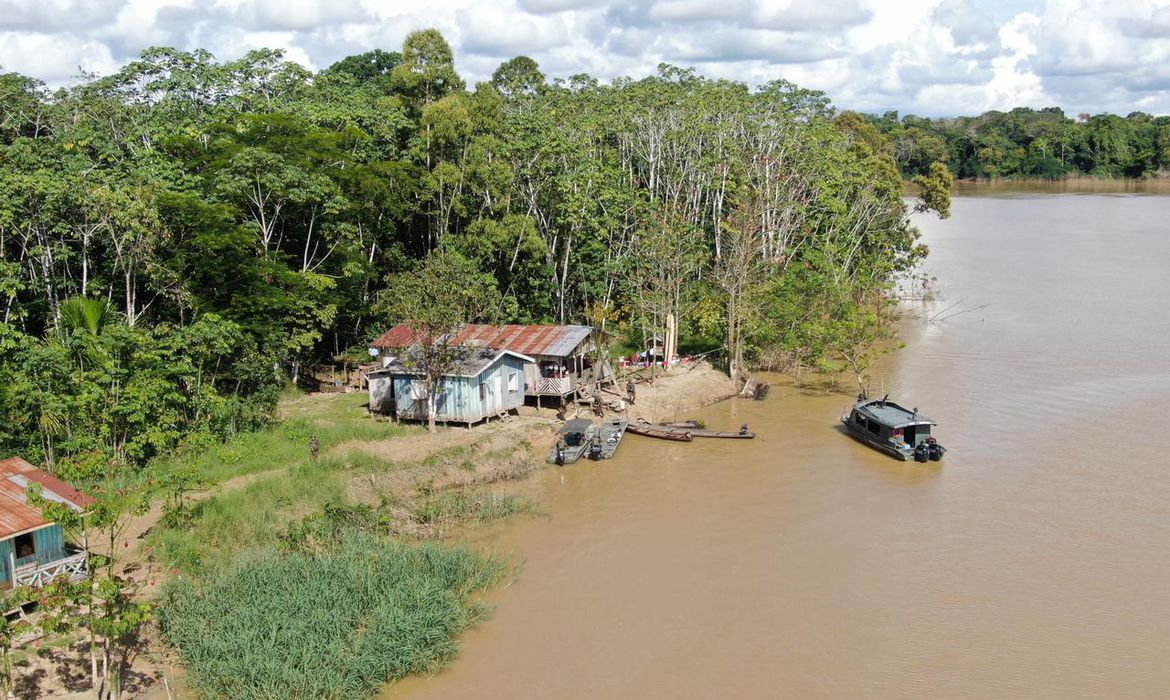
498,451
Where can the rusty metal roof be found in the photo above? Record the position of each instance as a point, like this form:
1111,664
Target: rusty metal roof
16,515
549,340
471,362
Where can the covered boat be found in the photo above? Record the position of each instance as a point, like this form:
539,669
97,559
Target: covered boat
572,441
893,429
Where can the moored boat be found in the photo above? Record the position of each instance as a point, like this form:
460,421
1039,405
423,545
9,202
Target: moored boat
698,428
662,432
898,431
742,434
607,438
573,440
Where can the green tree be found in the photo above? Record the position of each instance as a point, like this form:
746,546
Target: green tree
433,301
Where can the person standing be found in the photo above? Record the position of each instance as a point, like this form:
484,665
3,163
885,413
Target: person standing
630,391
314,448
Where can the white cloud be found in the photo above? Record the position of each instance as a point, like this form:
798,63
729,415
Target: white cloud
52,57
931,57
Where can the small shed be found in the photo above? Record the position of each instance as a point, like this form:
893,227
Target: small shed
484,383
33,550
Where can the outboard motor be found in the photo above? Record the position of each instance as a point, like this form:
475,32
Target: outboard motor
936,451
595,451
560,457
921,452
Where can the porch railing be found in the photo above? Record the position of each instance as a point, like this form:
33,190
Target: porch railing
36,574
554,387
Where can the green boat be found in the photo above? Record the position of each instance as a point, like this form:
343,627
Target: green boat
893,429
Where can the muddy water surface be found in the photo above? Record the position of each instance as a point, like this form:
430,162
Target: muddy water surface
1034,563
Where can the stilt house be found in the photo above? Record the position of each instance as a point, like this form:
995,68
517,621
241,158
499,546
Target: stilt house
33,550
483,383
558,355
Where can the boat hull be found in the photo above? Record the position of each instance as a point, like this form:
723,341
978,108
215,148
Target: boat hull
864,438
726,434
661,432
611,434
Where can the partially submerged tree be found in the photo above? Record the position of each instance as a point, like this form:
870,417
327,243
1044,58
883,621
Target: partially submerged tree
444,292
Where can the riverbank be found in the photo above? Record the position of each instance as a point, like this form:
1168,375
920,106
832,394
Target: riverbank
400,482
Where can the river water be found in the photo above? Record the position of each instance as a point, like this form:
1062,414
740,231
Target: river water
1034,562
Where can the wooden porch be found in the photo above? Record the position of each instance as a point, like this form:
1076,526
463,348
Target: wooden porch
553,386
31,571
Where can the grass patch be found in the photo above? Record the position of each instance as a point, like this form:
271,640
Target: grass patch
340,419
249,516
471,506
329,625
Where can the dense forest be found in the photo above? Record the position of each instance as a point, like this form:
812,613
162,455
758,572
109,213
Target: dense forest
1028,143
180,239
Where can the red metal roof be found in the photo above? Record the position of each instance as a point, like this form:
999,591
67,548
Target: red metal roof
549,340
16,515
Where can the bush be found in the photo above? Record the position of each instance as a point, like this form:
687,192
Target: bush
335,625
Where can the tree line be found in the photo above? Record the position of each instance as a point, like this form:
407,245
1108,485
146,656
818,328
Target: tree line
180,238
1030,143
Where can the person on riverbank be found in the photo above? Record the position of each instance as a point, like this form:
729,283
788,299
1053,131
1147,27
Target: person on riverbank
630,391
314,448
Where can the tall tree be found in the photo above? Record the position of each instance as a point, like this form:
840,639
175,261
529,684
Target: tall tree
433,301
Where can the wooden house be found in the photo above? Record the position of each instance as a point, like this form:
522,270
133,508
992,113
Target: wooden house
559,355
484,382
33,550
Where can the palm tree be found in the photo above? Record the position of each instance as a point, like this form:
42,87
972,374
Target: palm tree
83,314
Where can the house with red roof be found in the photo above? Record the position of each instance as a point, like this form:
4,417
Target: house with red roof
559,355
33,550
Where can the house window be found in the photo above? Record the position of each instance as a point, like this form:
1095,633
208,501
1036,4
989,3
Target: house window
24,545
513,382
418,389
483,391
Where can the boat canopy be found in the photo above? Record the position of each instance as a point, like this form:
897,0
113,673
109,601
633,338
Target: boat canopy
576,425
892,415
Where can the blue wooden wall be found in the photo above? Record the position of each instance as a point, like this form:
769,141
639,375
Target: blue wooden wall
462,400
49,543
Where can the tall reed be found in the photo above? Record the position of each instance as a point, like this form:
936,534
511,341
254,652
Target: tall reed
336,625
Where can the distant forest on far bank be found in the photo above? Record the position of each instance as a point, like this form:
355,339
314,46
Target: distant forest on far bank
1030,143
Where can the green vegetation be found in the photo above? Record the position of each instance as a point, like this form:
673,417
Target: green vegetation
180,238
473,506
333,624
341,419
1028,143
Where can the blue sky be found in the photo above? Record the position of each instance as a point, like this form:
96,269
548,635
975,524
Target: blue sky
928,57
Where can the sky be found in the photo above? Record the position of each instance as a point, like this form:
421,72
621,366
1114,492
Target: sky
925,57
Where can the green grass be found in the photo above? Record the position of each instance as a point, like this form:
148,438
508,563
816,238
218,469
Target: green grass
472,506
331,625
340,419
255,514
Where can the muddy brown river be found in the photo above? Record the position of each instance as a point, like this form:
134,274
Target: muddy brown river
1033,563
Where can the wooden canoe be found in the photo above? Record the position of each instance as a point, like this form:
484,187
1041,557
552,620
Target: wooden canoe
662,432
723,434
698,429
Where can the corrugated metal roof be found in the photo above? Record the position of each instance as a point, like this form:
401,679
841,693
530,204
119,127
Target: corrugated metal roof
16,515
471,363
556,341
